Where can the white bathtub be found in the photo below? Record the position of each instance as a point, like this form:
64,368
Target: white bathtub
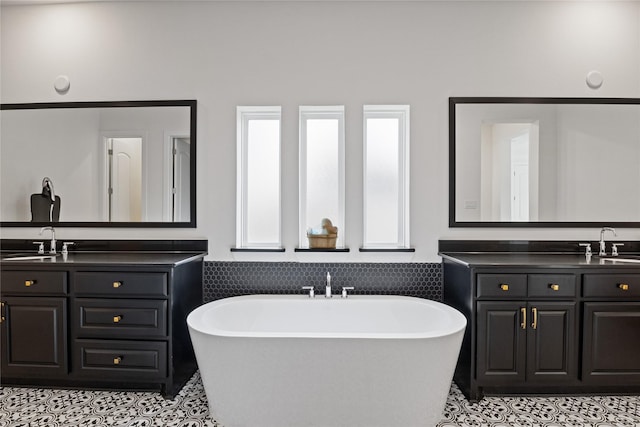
293,361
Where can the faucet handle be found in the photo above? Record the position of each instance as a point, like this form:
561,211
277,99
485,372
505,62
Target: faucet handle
345,289
311,289
40,247
65,247
587,248
614,248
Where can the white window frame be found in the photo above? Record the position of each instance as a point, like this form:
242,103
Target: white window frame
402,113
336,112
243,115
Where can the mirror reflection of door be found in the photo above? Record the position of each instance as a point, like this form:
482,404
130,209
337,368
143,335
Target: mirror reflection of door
520,177
124,164
509,178
181,176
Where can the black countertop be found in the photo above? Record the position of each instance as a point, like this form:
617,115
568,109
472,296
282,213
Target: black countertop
542,260
155,258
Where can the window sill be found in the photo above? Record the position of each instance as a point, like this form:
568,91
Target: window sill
322,249
387,249
257,249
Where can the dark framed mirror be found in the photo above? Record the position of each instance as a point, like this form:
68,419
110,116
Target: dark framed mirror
98,164
544,162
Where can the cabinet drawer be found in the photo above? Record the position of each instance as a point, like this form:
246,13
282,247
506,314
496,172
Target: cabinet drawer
34,282
120,360
502,285
551,285
115,284
611,285
117,318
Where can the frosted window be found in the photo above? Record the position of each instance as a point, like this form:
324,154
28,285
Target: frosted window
321,169
386,176
259,177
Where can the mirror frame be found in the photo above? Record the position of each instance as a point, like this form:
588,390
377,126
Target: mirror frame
454,101
191,104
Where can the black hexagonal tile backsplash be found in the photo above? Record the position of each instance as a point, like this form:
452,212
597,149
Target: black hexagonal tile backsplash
226,279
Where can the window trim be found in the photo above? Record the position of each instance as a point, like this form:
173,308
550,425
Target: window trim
402,113
243,115
305,113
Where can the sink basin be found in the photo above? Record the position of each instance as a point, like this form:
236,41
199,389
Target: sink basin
28,257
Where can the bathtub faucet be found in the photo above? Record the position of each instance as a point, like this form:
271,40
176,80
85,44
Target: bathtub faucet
327,289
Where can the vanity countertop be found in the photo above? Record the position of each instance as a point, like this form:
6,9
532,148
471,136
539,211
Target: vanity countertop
155,258
540,260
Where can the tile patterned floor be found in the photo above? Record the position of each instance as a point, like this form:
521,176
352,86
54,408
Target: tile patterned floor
30,407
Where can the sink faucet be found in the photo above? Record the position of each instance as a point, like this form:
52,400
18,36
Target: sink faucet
327,289
603,248
52,250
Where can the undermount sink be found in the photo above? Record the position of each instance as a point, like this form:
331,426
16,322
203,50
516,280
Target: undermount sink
28,257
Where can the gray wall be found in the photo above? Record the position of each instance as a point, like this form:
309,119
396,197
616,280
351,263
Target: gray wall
225,54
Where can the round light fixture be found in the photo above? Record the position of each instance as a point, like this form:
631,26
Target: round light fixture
61,84
594,79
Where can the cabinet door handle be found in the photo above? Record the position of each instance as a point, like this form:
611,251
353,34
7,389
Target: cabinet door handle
117,360
534,312
2,319
523,317
623,286
504,287
28,283
117,319
117,284
554,287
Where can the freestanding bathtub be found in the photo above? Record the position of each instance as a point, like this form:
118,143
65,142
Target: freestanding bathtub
295,361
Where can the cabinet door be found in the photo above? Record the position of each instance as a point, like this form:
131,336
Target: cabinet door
501,342
611,353
552,342
34,337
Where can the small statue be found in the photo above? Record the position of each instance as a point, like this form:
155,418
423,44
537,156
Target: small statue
328,226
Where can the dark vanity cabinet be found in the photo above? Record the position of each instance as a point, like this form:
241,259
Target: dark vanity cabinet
535,326
526,328
611,329
119,324
34,324
100,321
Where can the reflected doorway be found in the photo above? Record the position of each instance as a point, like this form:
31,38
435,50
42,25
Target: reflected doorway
180,195
520,177
124,179
509,171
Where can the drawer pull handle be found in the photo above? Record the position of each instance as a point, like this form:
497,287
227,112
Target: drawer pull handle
117,360
554,287
117,284
28,283
523,313
504,287
117,319
623,286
